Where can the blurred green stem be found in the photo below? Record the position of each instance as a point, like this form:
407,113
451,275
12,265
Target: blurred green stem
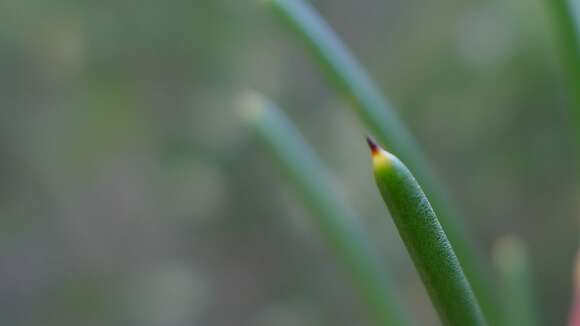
566,14
338,223
384,123
514,271
567,21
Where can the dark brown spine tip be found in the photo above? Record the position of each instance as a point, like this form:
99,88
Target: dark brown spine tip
372,145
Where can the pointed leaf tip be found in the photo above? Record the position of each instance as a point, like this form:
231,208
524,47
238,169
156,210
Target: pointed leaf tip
372,145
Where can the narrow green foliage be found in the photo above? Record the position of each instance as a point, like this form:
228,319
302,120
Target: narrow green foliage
426,242
566,18
349,76
515,276
566,15
338,223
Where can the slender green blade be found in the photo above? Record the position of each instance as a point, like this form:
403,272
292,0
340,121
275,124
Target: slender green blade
512,262
426,241
349,76
566,15
338,223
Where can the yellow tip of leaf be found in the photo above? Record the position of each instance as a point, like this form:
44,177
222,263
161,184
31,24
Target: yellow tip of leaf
382,158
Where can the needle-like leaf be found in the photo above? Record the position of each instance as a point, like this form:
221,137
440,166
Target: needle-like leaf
378,114
338,223
426,241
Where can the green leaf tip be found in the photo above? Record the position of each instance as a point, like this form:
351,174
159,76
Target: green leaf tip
338,223
350,78
373,145
381,158
427,244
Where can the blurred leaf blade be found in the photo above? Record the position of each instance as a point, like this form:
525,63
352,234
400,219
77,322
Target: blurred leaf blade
371,107
338,223
566,17
514,270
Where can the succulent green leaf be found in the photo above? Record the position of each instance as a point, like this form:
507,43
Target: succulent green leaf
426,242
381,118
338,223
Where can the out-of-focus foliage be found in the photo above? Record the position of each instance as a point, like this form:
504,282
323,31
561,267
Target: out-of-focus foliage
131,194
516,282
338,224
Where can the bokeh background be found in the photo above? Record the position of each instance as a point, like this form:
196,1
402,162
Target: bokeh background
133,194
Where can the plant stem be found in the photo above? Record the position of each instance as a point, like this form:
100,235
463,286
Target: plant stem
426,241
338,223
567,22
515,275
349,76
566,15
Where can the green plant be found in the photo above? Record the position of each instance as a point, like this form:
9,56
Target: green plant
512,262
457,281
338,223
566,14
425,240
567,23
380,117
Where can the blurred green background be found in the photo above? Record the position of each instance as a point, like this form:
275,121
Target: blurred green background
132,194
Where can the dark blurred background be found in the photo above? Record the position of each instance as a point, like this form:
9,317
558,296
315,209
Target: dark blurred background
132,194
